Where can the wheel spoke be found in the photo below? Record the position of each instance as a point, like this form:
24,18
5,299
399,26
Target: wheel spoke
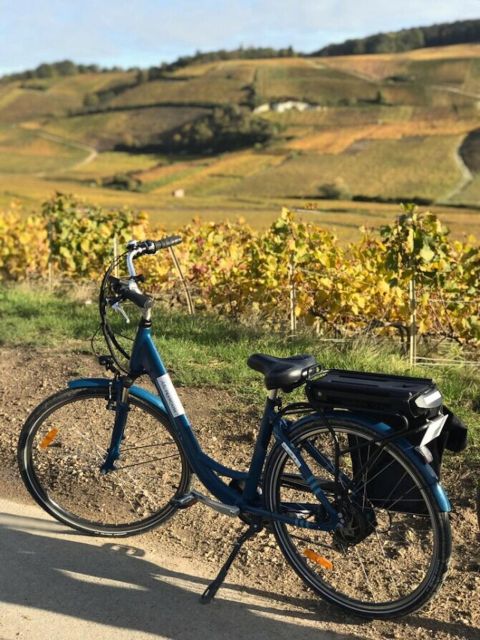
65,475
383,558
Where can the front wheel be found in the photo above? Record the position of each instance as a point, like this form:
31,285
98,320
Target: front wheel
391,552
62,448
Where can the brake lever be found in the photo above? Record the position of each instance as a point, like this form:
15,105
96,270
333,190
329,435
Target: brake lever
119,309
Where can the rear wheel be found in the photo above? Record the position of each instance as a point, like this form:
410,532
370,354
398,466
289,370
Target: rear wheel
61,450
391,553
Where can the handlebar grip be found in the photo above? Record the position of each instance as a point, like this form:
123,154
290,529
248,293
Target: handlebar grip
140,299
169,241
122,289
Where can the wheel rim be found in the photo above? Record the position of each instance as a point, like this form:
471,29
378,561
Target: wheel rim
65,451
389,569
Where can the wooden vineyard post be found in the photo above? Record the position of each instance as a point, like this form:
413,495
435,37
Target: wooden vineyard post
115,255
412,301
50,273
50,256
191,308
293,295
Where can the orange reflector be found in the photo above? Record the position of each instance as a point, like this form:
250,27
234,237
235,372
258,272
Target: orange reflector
316,557
49,438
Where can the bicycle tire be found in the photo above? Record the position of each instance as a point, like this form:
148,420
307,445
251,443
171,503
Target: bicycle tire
403,557
61,449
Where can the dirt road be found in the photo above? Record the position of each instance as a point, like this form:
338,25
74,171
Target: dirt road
55,584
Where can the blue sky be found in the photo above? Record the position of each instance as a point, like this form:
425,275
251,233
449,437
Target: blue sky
147,32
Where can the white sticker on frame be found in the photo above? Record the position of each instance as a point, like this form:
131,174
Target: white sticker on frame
171,397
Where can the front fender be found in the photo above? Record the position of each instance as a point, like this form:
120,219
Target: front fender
382,429
139,392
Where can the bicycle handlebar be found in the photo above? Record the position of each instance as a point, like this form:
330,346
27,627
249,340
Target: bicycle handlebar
135,249
151,246
122,289
169,241
128,290
114,291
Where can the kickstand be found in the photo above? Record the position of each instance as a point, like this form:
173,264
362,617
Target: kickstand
209,593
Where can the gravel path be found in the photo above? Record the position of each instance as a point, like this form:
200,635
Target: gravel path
152,590
56,585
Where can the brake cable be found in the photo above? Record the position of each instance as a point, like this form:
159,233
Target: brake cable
108,333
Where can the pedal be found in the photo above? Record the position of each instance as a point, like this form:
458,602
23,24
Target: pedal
226,509
185,501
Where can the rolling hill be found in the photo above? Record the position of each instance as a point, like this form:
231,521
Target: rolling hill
349,131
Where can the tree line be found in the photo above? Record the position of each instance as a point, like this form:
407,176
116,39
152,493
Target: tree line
436,35
69,68
56,70
241,53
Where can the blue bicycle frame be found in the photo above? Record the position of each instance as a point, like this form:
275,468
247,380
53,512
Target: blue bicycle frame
145,359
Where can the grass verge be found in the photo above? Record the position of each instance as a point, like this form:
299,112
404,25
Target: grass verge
205,351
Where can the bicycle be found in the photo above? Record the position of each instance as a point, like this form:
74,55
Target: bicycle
109,458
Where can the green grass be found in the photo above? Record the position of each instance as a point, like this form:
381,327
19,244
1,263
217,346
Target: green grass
204,351
472,82
451,72
37,318
110,162
470,194
209,89
24,105
20,101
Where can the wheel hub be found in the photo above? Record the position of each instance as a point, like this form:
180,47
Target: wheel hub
356,524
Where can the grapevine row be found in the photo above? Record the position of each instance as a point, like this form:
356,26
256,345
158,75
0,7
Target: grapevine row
294,272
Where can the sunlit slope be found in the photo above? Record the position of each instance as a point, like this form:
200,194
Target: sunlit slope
384,127
24,151
110,129
47,98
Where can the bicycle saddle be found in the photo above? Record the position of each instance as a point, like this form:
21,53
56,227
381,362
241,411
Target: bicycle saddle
283,373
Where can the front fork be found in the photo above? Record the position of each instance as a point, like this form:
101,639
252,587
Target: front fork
118,401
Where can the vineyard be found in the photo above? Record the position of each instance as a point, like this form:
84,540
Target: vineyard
408,276
354,135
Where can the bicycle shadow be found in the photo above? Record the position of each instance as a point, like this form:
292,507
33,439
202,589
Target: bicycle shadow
115,585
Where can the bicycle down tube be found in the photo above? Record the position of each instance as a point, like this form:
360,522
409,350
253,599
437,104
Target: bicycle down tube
145,359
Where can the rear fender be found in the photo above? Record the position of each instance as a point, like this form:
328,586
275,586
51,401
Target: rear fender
382,429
